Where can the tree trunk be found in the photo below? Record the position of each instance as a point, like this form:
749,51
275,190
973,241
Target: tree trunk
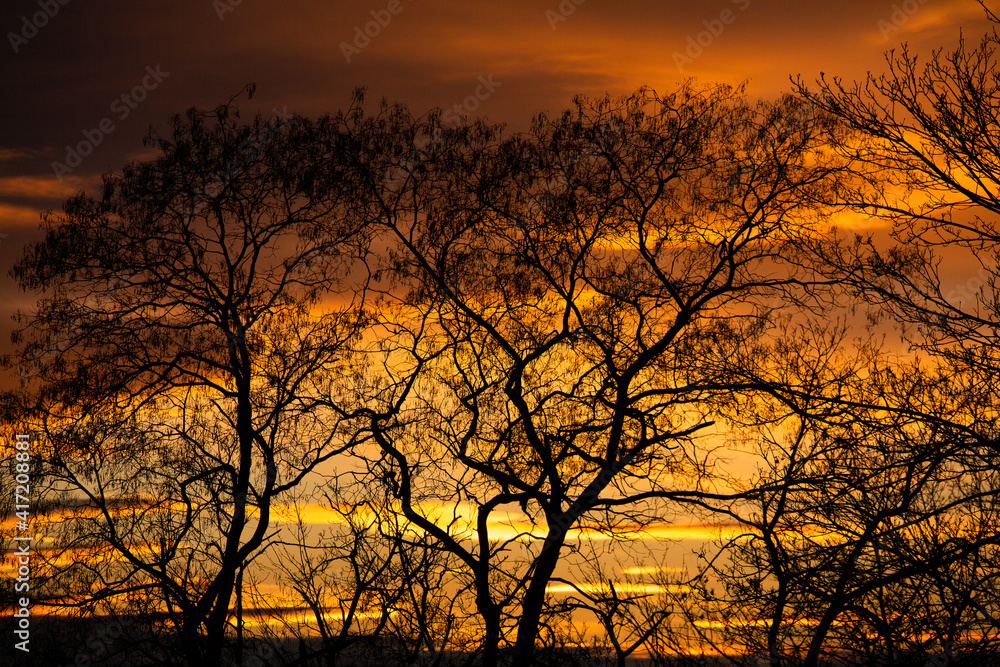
192,643
491,619
534,599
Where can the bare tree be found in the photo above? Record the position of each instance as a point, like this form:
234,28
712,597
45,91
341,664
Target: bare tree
630,613
852,527
920,141
374,588
576,301
180,359
572,325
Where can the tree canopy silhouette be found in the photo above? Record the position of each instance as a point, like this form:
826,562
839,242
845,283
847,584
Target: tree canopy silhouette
479,348
181,357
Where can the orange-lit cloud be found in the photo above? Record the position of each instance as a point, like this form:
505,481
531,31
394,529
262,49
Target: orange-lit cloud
641,570
45,186
19,216
621,588
512,525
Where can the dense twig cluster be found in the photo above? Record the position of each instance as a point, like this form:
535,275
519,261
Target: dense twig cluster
479,362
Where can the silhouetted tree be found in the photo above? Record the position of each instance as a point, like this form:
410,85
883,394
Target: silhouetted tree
374,589
874,536
187,340
580,303
853,523
571,323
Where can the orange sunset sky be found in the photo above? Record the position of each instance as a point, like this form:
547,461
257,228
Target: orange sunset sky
93,78
85,81
67,65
